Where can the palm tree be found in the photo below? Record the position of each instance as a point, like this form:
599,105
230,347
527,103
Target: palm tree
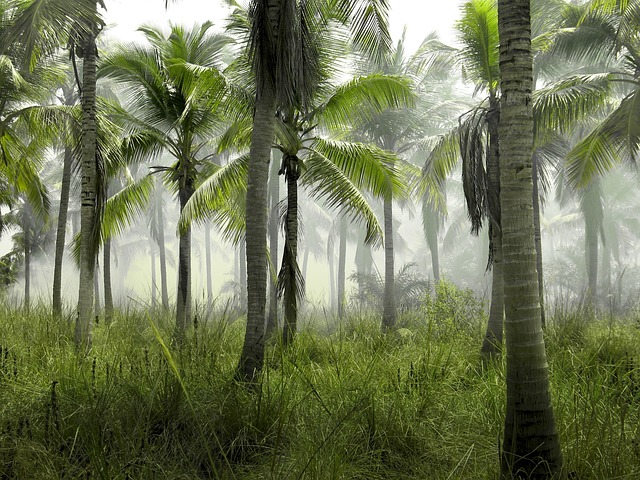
277,43
172,112
531,446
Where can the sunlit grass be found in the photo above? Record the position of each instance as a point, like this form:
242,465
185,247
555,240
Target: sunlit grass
344,401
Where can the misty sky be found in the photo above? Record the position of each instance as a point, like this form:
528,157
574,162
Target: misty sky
421,17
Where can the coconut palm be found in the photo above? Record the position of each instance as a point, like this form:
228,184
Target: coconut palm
279,30
531,446
172,90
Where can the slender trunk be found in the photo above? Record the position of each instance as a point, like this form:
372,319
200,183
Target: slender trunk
592,213
305,262
538,236
163,255
389,302
61,231
27,260
108,292
531,447
154,299
183,300
342,260
207,253
274,198
88,198
492,344
290,274
96,291
242,276
252,357
430,228
332,276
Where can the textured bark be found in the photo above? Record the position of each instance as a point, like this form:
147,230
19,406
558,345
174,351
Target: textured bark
342,260
88,198
492,344
538,236
108,292
389,301
531,447
61,231
183,300
252,357
274,198
290,257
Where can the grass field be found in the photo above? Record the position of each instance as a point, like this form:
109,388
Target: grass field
345,401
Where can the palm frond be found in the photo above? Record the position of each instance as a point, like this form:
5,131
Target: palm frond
123,208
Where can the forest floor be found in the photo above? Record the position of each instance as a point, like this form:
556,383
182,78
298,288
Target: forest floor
345,401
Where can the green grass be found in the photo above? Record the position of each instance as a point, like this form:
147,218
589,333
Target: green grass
344,401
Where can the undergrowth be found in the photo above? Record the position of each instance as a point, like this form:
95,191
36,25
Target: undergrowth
344,401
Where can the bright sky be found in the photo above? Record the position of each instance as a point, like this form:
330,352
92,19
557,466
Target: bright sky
421,17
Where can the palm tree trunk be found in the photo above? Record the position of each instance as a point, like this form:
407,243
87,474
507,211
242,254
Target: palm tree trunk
531,448
183,300
27,259
163,255
252,357
207,253
592,213
538,236
154,278
389,307
106,272
88,198
289,275
274,198
332,276
61,231
430,228
342,260
492,344
96,291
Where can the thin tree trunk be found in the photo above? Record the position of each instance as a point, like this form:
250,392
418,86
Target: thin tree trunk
538,236
27,259
492,344
289,275
154,296
183,301
88,198
531,447
252,357
96,291
592,213
274,198
342,260
389,302
163,255
332,276
207,253
106,272
61,231
430,228
242,276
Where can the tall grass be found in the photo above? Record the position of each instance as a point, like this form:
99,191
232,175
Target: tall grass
344,401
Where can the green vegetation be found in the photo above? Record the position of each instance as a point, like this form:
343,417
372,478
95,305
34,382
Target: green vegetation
344,401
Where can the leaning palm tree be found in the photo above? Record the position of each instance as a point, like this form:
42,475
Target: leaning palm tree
172,92
531,446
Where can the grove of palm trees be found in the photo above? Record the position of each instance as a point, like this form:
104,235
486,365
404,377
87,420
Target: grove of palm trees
284,244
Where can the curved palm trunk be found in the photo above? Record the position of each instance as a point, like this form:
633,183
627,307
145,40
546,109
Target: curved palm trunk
61,231
252,357
274,194
492,343
342,260
88,198
531,447
108,291
289,277
389,302
538,236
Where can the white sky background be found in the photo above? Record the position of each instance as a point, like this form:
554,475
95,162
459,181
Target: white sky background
420,16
